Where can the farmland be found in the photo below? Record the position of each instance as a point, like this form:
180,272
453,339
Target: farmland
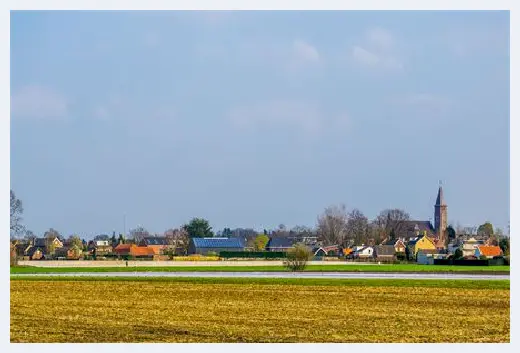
258,310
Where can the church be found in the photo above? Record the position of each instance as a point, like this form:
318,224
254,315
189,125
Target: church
410,229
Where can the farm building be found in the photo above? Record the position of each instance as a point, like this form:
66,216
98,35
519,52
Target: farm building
203,246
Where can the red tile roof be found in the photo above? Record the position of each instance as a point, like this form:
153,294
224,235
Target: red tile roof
490,250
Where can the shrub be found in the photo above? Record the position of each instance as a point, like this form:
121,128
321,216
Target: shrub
297,257
401,256
211,253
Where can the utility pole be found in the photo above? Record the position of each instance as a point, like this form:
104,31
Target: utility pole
124,226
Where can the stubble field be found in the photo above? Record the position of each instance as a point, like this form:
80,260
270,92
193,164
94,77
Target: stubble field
44,310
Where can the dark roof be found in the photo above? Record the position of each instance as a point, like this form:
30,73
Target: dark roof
281,242
384,250
155,241
231,243
414,241
102,237
39,242
33,249
391,242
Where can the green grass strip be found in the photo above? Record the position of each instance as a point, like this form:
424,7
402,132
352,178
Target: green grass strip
311,268
434,283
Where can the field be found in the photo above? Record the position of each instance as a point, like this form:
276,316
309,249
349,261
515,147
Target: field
258,310
271,268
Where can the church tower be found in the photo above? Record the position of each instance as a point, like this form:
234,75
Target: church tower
441,215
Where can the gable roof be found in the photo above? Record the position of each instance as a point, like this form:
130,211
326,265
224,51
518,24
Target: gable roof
141,251
490,250
33,249
229,243
281,242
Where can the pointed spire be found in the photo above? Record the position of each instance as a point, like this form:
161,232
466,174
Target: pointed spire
440,196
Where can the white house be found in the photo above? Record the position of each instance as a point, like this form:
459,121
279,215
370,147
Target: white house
102,242
363,251
469,246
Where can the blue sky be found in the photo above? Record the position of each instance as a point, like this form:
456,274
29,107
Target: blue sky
252,119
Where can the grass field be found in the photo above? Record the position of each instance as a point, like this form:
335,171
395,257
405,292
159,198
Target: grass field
258,310
310,268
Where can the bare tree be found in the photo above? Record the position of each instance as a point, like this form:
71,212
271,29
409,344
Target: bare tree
392,223
16,216
178,240
332,225
357,231
139,234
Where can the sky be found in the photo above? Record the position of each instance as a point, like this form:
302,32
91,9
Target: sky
255,119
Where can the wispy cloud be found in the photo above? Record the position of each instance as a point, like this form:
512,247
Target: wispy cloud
377,50
305,51
38,102
302,116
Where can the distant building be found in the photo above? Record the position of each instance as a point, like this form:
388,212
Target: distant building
203,246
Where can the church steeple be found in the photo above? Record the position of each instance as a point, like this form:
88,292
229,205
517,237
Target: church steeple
441,214
440,196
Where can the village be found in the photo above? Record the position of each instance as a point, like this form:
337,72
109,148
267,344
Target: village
402,241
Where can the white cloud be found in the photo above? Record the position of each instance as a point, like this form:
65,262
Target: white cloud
38,102
364,56
305,51
377,50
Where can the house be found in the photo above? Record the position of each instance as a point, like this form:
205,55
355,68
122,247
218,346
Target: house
100,247
134,251
420,243
42,242
363,252
280,244
36,253
398,244
22,249
328,250
159,244
122,249
488,251
384,252
203,246
470,246
427,256
452,247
